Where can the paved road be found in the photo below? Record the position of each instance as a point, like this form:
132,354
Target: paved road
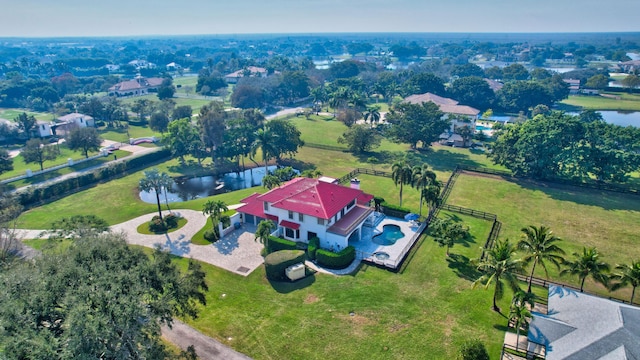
207,348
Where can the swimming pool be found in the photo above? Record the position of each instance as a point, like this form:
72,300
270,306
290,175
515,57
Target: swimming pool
482,128
390,234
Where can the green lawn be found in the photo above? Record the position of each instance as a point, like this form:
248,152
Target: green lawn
135,131
582,217
11,114
195,104
627,102
429,309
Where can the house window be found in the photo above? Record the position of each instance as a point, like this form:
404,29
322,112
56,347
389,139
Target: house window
320,221
266,205
353,202
342,212
300,217
311,235
290,215
290,233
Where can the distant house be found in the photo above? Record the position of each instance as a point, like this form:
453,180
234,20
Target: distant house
42,129
494,84
253,71
142,64
304,208
112,67
172,66
630,66
136,87
585,327
574,85
62,125
460,115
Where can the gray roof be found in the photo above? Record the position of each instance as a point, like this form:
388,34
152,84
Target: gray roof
583,327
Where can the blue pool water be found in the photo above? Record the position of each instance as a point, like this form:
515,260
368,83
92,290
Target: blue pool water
390,234
482,128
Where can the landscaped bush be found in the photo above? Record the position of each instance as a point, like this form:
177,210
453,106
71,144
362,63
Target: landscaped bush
211,235
314,242
276,263
277,244
171,221
226,221
158,225
394,210
339,260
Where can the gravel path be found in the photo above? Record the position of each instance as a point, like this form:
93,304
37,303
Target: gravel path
206,348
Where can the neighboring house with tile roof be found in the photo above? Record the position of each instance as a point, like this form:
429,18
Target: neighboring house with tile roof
304,208
460,115
136,87
585,327
252,71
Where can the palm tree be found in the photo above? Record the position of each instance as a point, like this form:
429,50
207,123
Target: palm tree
372,114
265,141
585,264
627,274
522,297
265,227
422,178
214,208
402,174
431,195
519,315
499,266
154,180
539,243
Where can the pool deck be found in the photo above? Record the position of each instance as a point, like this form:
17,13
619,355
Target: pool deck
366,249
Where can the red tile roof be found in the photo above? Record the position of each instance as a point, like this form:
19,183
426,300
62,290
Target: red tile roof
307,196
446,105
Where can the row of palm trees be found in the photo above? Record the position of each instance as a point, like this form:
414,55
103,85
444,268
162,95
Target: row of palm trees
419,177
501,266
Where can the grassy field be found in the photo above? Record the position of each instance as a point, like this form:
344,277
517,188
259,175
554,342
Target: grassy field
429,309
120,135
627,102
195,104
581,217
11,114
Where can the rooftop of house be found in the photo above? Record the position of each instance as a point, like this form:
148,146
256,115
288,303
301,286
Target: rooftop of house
446,105
306,196
585,327
252,69
136,84
73,117
494,84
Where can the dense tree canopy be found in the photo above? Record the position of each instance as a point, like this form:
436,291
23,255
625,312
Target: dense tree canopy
84,139
100,299
423,83
360,138
560,145
416,123
472,91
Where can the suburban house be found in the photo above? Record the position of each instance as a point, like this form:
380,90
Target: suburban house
42,129
630,66
460,115
68,122
142,64
574,85
136,87
585,327
304,208
253,71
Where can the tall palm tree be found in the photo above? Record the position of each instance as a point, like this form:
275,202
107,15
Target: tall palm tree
402,174
519,315
540,245
431,196
627,274
422,178
522,297
154,181
585,264
372,114
499,266
265,141
214,208
265,228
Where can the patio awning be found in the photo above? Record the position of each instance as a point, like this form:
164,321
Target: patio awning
272,217
289,224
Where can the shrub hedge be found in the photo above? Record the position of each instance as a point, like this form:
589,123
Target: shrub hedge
339,260
314,243
35,195
394,210
277,244
276,263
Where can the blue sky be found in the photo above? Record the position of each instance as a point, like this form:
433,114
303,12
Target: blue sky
175,17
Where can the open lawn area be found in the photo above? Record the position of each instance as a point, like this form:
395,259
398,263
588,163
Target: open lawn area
627,102
195,104
580,216
11,114
135,131
428,309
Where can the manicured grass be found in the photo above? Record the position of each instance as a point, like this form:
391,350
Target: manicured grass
195,104
120,135
11,114
628,102
581,217
429,309
144,228
198,238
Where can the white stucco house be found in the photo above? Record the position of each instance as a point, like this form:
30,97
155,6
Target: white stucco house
252,71
304,208
66,123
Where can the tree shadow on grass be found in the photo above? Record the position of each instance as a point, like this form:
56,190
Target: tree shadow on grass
461,266
608,200
467,241
285,287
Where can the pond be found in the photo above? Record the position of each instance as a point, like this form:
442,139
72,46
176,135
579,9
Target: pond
622,118
199,187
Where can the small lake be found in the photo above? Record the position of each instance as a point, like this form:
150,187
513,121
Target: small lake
199,187
622,118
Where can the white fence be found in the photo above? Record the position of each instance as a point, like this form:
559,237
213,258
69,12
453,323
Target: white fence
70,162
